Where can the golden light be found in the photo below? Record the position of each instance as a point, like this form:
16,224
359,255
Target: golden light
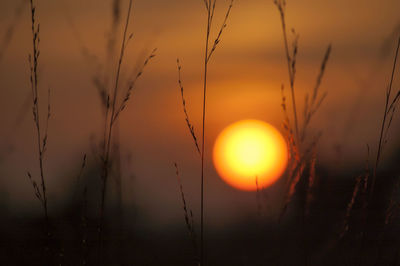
248,149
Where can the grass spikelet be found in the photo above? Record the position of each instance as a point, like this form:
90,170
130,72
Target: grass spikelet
290,58
188,123
188,213
360,186
132,85
350,205
312,106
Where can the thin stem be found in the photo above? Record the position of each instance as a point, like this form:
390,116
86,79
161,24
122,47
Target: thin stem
388,93
34,84
203,137
106,113
110,126
290,69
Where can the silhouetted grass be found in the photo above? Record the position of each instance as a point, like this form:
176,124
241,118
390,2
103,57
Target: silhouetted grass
113,110
355,201
188,214
210,6
360,187
188,123
363,180
300,152
301,148
41,133
208,53
390,108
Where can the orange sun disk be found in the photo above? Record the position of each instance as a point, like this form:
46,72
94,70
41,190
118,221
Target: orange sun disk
247,150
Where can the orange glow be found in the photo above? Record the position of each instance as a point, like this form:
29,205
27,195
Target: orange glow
248,149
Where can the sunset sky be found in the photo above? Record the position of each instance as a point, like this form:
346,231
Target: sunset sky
245,77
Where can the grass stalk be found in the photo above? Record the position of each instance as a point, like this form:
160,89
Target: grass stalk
208,52
188,123
390,107
109,123
291,60
113,110
296,139
41,134
210,5
188,213
203,137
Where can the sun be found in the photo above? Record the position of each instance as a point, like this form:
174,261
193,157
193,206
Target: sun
248,150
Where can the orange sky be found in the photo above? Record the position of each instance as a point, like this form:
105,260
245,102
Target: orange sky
244,82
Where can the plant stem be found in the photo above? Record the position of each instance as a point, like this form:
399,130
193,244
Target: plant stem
388,93
35,40
291,73
203,137
111,121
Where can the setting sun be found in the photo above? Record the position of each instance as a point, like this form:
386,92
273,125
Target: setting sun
248,149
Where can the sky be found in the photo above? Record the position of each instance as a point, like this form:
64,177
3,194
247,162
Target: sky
245,77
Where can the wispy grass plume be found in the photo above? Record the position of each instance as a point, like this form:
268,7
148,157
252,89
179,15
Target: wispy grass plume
41,133
299,150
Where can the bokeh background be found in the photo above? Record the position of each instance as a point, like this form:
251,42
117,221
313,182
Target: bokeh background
244,82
